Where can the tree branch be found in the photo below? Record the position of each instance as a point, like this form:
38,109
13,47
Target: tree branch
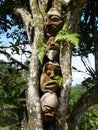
44,3
28,21
80,4
57,4
88,99
88,67
14,60
65,63
72,21
43,6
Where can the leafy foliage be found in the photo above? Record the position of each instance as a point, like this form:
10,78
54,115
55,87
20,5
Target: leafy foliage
41,51
90,120
90,82
64,35
75,93
12,88
88,29
59,80
12,30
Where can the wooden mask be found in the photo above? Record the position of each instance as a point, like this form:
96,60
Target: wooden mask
53,22
52,49
47,80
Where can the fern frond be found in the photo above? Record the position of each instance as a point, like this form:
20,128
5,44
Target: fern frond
65,28
73,38
64,35
41,51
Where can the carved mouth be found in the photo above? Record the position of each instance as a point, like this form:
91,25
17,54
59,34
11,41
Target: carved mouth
49,111
54,26
51,85
53,82
50,29
53,48
49,114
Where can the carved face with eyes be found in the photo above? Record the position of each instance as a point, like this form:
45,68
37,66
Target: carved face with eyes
49,104
52,49
47,81
53,22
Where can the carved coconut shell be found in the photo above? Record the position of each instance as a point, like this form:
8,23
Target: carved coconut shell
49,104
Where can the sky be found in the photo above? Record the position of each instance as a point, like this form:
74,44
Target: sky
78,77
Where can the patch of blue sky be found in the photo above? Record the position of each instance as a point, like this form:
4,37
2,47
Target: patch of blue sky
11,36
78,77
4,40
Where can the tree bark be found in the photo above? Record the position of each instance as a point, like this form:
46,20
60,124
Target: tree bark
27,20
33,100
72,21
65,63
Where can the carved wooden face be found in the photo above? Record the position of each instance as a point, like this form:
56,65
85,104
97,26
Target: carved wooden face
53,22
49,104
47,81
52,49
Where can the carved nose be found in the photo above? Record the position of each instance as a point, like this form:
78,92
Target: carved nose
52,74
52,44
47,21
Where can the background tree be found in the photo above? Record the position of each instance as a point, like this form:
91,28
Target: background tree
12,96
89,119
32,14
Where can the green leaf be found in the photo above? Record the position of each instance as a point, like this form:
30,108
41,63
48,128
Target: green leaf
59,80
64,35
73,38
41,51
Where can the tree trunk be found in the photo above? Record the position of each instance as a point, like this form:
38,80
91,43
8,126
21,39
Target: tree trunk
72,21
35,15
39,10
33,99
65,63
96,53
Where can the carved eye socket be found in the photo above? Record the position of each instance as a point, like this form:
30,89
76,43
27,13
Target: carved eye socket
48,43
57,71
55,18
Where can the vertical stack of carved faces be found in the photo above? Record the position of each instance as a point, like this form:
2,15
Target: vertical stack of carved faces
51,69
